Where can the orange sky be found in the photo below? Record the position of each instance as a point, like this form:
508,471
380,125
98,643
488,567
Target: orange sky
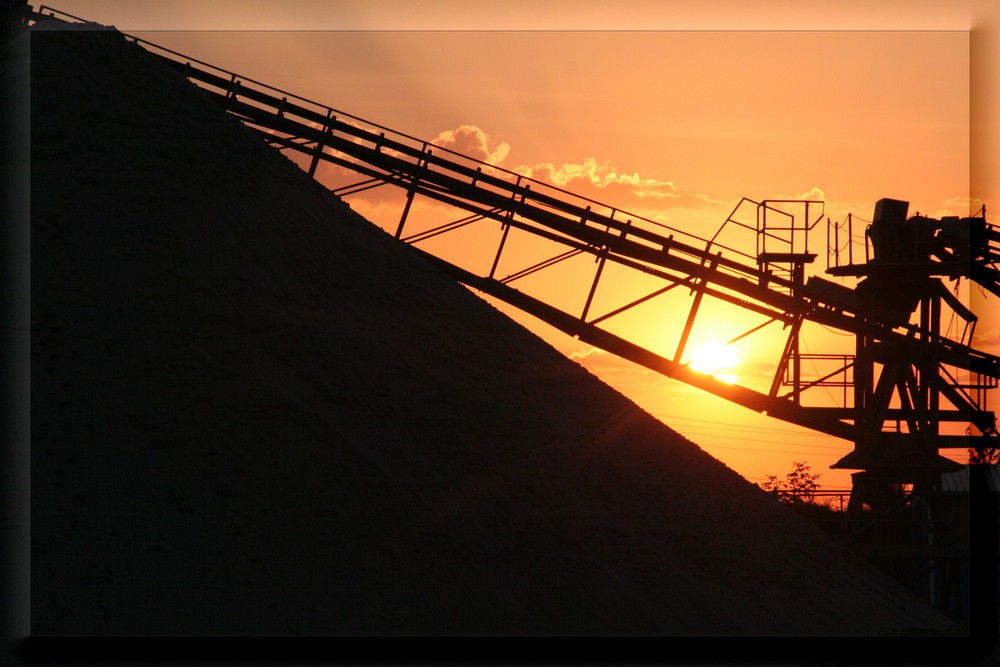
670,118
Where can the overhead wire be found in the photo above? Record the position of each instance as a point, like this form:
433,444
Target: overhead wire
715,431
767,429
812,362
770,451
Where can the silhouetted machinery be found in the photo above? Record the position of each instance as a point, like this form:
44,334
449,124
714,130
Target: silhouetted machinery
903,411
914,385
908,253
902,284
922,246
910,388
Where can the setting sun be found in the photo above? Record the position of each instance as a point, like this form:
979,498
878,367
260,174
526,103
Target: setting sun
614,320
715,359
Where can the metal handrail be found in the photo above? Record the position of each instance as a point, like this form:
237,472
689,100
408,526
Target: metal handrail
541,203
503,172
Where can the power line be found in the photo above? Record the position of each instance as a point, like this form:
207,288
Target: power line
812,362
772,442
770,451
744,428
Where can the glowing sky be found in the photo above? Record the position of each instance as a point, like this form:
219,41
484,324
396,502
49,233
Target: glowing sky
662,109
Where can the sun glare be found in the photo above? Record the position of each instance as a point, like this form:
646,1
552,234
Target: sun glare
715,359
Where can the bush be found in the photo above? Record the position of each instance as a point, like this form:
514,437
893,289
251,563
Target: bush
800,485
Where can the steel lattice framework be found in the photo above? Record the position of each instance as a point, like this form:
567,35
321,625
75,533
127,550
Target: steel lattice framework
906,379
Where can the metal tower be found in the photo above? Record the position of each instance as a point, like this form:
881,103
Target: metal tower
911,387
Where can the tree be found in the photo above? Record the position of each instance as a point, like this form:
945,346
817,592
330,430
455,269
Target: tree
984,456
799,486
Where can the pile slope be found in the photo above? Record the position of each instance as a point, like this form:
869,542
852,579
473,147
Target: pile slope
254,412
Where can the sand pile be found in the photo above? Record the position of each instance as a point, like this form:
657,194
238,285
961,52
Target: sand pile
253,412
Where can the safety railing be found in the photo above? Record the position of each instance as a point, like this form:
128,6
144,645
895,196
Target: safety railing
479,172
378,152
843,245
582,225
781,227
828,371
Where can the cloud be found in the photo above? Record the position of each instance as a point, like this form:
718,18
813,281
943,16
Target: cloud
756,369
654,199
616,371
583,354
472,141
601,175
960,206
989,338
814,193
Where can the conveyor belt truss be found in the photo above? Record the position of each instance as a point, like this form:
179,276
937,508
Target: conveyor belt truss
902,372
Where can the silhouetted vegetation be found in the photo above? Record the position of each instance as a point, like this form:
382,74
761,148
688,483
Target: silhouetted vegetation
799,489
799,486
986,456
